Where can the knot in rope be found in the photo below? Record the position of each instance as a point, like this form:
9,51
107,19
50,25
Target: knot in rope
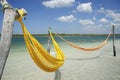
22,12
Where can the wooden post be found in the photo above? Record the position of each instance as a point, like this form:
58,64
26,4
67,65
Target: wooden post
57,75
48,49
114,50
57,72
6,35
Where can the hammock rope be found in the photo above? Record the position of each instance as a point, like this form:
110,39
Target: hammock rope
83,48
40,56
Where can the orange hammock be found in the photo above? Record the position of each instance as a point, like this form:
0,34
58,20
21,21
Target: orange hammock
82,48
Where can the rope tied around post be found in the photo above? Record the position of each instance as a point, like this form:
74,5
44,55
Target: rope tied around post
21,13
6,6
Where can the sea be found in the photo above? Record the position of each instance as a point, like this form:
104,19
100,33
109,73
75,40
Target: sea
78,65
18,43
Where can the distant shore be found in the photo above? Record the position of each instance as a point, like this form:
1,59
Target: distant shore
67,34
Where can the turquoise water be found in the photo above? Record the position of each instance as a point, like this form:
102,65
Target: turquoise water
18,43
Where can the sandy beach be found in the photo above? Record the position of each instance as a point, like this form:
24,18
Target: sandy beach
79,65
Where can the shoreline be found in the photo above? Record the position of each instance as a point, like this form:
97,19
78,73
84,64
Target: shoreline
68,34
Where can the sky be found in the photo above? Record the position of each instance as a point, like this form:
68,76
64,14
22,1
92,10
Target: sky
68,16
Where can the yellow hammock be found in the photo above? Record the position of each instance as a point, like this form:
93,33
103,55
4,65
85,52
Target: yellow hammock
82,48
40,56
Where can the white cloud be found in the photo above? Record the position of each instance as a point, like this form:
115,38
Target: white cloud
86,22
115,23
85,7
102,10
113,15
74,11
103,20
69,18
94,18
58,3
110,14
